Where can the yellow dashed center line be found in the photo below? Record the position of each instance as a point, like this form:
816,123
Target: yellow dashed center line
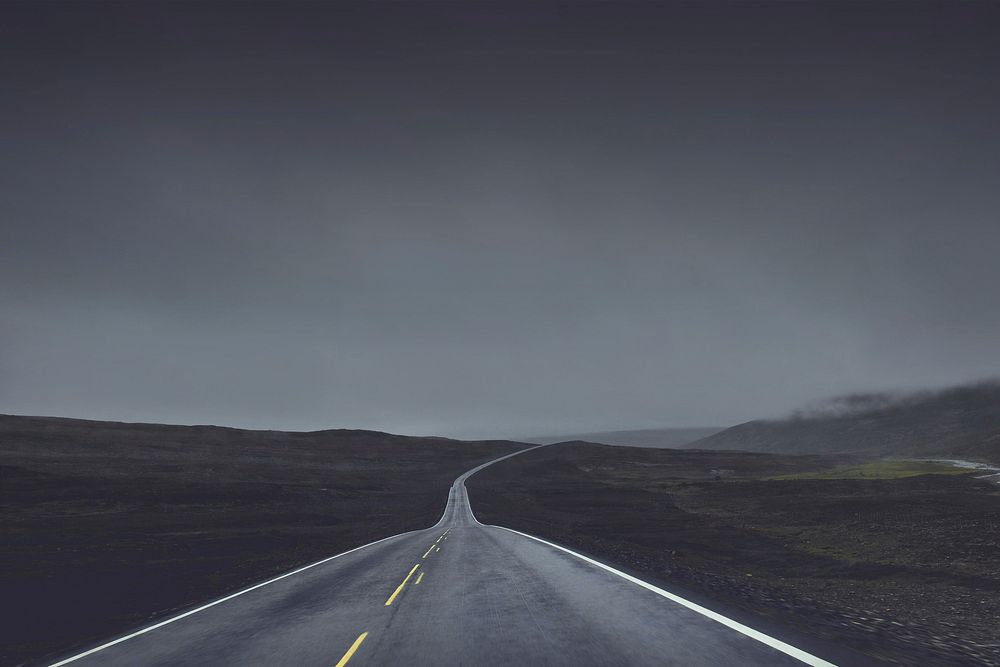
395,594
400,587
350,651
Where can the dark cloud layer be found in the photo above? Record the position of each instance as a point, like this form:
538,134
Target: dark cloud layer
479,219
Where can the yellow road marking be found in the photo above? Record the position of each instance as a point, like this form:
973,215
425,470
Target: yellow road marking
350,651
419,577
400,587
428,551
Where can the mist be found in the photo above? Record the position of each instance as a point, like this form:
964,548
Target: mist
493,220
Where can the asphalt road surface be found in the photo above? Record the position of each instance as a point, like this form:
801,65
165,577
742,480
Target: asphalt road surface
460,593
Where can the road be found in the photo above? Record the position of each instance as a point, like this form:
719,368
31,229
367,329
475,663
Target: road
459,593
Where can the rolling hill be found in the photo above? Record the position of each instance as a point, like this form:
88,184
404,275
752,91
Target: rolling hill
961,422
658,438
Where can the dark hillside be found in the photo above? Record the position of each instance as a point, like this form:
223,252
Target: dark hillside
963,422
105,525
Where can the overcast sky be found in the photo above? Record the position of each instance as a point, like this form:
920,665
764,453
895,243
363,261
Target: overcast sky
493,220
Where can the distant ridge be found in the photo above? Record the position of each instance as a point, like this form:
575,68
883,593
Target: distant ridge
960,422
659,438
12,424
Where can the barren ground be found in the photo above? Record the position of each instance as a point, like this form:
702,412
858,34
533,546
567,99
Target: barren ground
105,526
903,567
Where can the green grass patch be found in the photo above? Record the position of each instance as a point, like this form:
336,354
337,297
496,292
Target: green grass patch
892,469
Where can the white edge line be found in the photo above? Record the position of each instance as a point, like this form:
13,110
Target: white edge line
787,649
219,601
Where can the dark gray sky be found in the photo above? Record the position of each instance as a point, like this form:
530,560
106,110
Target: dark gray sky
482,219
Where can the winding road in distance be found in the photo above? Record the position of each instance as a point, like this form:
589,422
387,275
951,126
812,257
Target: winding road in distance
459,593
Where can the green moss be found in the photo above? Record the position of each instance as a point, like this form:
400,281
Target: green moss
889,469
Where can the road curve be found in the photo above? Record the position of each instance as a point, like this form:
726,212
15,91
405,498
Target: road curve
459,593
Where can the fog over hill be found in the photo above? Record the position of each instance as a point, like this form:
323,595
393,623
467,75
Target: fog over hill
958,422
